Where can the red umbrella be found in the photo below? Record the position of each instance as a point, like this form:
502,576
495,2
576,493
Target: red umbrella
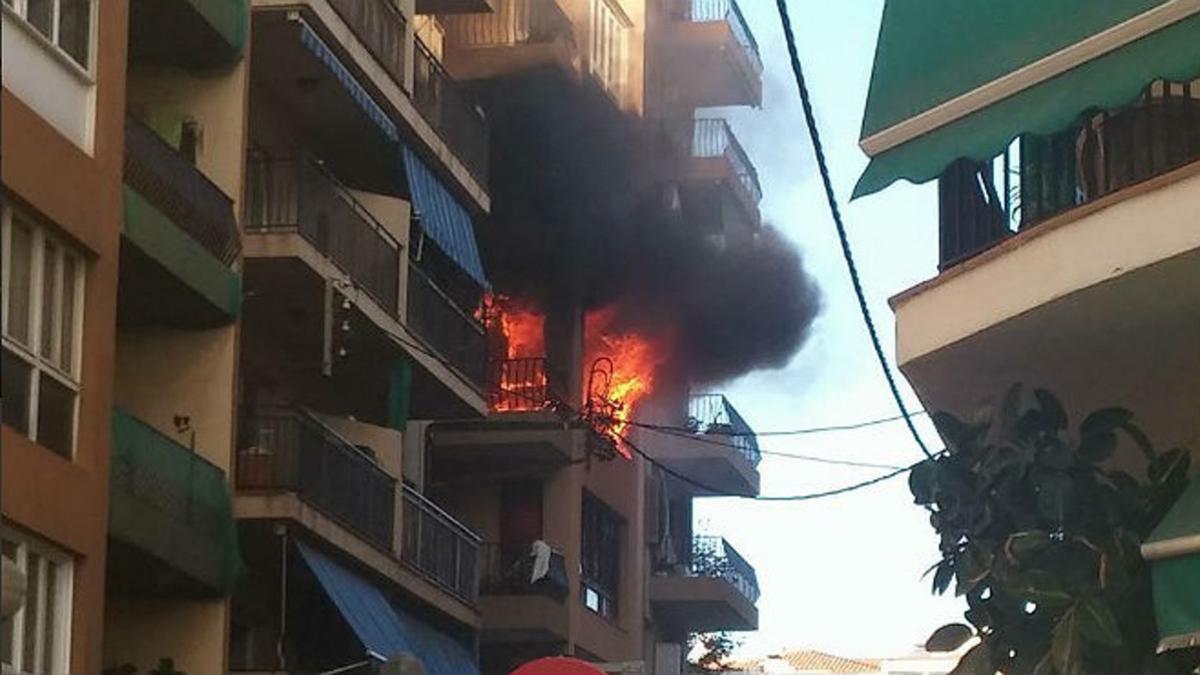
557,665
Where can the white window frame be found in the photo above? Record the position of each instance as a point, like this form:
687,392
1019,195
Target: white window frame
19,10
609,49
60,654
44,365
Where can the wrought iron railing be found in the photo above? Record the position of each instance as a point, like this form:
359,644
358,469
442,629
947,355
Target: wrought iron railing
438,319
513,22
300,195
381,27
714,414
1037,177
288,449
523,384
507,570
700,11
450,111
180,191
157,484
440,547
713,137
714,557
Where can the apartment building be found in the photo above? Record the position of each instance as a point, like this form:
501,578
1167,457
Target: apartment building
62,129
1068,173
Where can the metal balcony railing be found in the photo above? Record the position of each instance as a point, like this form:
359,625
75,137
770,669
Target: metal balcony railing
300,195
450,111
714,414
440,547
438,319
509,571
1038,177
700,11
174,186
713,137
172,503
380,26
714,557
523,384
287,449
513,22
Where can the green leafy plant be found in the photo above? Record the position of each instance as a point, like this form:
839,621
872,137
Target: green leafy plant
1041,533
715,650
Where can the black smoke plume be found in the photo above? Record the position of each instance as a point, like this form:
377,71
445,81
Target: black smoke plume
585,211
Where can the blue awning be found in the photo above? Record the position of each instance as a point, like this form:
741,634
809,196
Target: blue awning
381,626
444,219
317,46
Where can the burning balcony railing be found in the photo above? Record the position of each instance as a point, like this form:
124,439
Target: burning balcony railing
300,195
714,414
380,26
290,450
700,11
712,137
451,113
508,570
714,557
1037,177
180,191
523,384
440,321
514,22
440,547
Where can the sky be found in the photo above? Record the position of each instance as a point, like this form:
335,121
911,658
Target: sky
841,574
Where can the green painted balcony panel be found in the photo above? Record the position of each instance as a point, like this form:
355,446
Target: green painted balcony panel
188,33
172,506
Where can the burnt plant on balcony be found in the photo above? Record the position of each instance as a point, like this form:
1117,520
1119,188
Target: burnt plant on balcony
1040,533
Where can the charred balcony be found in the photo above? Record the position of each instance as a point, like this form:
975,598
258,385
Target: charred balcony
519,35
713,588
714,58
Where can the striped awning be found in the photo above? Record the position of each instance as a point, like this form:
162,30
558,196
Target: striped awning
382,627
1173,549
317,46
443,218
963,79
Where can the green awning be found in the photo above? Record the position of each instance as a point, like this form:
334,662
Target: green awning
1173,550
953,79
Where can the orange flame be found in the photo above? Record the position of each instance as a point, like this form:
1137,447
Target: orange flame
519,377
616,393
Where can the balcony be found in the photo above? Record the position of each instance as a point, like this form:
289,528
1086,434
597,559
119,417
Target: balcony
715,57
1072,264
204,33
299,196
380,27
170,516
514,607
439,547
519,35
720,451
442,322
718,591
450,111
717,178
183,235
442,7
288,450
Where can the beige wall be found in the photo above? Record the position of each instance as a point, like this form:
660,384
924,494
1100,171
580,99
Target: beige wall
163,372
394,215
142,631
386,443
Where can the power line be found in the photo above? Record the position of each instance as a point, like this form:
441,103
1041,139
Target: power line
831,198
783,432
694,437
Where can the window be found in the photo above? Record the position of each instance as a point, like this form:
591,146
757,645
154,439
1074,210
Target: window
609,45
41,323
65,23
37,638
601,557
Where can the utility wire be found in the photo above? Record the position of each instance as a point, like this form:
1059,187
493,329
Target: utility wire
782,432
693,437
831,198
